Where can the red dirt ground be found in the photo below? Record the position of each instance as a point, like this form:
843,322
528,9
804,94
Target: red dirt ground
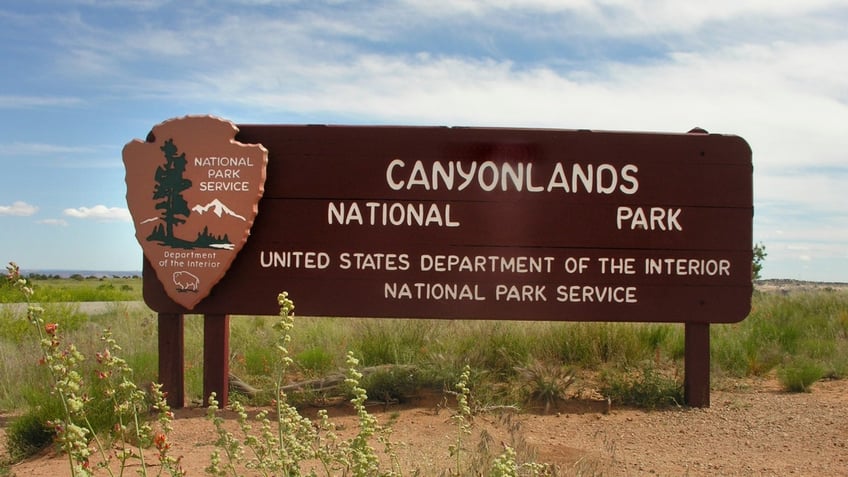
753,428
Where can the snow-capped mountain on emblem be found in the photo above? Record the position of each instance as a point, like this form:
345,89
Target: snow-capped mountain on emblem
217,207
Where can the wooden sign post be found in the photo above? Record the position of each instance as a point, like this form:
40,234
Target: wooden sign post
478,223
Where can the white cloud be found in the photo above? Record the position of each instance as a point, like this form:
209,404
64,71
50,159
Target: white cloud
99,212
815,193
39,149
757,92
628,17
22,101
131,4
54,222
18,208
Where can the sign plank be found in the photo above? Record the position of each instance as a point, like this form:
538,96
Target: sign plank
485,223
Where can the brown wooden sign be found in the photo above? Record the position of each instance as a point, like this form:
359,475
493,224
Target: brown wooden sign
193,193
438,222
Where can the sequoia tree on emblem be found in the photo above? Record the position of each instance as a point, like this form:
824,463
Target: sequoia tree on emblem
193,192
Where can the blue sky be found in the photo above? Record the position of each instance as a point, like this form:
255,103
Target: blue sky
83,77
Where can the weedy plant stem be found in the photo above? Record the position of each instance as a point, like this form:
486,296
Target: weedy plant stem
63,365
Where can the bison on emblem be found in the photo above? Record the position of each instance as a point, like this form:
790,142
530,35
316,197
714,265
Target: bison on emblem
186,281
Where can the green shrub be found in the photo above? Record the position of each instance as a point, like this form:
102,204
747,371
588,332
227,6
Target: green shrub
376,344
13,325
314,360
67,315
259,361
646,388
145,365
498,348
384,341
592,345
798,375
393,384
28,434
654,336
809,324
545,383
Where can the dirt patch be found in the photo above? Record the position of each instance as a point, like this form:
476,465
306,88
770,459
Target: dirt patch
752,428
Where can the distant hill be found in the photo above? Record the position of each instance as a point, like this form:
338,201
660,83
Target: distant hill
785,285
85,273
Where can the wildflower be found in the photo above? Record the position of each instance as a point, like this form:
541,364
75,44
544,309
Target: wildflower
161,442
51,328
13,272
103,356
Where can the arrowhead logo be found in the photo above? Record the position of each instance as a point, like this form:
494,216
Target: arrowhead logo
193,192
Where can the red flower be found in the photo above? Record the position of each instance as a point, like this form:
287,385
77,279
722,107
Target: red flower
14,272
161,442
51,328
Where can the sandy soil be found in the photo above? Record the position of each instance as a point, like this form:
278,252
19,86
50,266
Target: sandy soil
751,429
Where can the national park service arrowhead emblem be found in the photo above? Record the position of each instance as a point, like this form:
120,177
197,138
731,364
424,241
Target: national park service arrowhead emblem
193,192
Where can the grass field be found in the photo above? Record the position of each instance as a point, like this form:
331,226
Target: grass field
788,333
800,337
54,290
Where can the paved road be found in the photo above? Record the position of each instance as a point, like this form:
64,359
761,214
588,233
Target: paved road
87,307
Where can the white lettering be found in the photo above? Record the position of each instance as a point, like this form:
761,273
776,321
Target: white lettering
446,175
374,261
596,294
432,291
688,266
576,265
530,186
418,177
481,176
656,218
613,178
214,161
294,259
485,264
215,186
391,213
628,175
558,179
491,176
394,185
534,293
